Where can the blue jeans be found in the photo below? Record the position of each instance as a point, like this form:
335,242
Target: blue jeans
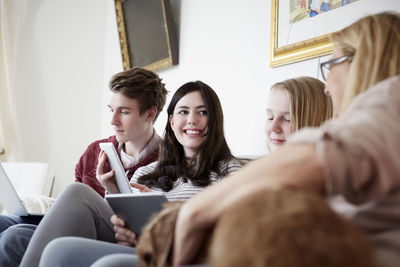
9,220
15,234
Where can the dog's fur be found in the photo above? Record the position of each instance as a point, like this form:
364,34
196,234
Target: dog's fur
289,227
156,241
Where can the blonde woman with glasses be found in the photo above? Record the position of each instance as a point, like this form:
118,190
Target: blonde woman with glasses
356,155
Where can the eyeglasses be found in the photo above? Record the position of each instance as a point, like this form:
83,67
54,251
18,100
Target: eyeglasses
327,65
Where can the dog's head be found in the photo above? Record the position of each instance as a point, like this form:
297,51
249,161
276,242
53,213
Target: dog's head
155,243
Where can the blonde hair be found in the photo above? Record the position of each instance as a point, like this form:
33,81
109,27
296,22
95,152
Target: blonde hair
309,105
375,42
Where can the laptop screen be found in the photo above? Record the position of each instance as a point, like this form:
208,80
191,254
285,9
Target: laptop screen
9,197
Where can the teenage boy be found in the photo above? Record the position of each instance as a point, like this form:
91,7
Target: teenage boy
137,97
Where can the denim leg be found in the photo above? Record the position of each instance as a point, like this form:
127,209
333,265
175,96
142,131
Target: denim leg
7,221
13,243
10,220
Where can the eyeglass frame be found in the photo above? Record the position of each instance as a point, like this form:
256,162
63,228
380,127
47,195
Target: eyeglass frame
335,61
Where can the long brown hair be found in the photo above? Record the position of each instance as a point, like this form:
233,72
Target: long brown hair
212,153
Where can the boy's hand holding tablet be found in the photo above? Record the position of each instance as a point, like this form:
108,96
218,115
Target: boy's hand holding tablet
122,182
123,234
133,209
106,179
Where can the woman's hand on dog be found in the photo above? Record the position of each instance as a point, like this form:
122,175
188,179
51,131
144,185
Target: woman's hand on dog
123,235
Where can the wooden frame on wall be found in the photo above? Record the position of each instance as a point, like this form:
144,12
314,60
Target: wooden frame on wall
310,48
309,38
146,33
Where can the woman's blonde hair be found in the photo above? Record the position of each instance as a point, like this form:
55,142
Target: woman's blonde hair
375,42
309,105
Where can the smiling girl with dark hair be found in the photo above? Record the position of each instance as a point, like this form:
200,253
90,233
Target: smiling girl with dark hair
210,156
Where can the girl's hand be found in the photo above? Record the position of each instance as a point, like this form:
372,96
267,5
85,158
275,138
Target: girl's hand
142,188
107,179
123,235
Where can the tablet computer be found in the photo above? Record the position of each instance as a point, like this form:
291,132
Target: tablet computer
136,209
116,165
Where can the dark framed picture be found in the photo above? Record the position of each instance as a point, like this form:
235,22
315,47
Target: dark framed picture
146,33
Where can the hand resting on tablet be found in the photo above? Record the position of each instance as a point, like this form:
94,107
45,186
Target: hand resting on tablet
123,234
140,187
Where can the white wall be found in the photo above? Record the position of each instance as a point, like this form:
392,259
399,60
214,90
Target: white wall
226,45
69,49
59,78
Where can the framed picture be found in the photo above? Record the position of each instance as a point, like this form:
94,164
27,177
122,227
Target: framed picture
300,28
146,33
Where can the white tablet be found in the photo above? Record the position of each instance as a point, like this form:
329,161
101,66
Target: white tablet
116,165
136,209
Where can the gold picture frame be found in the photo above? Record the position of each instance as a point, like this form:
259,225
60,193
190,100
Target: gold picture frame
299,51
146,34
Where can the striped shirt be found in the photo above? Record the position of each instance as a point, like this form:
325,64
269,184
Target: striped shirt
182,191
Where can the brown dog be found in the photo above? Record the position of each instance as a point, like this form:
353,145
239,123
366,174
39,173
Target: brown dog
155,243
286,228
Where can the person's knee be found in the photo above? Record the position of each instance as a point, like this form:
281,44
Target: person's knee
59,250
6,221
18,234
76,192
117,260
76,189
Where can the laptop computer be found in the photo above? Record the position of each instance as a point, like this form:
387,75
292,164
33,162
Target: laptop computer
9,197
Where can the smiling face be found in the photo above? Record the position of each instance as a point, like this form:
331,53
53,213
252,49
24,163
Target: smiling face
130,127
279,126
189,122
336,81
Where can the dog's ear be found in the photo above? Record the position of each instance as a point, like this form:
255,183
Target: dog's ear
156,242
